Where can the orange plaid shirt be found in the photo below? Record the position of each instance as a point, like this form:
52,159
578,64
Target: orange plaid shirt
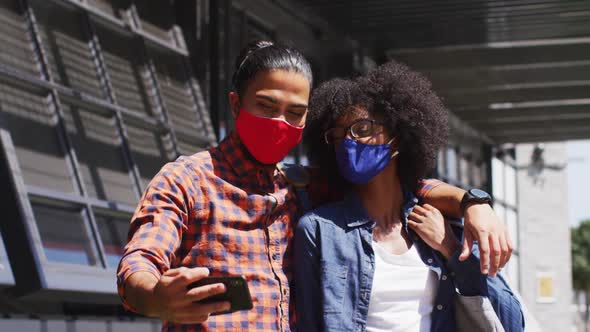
222,210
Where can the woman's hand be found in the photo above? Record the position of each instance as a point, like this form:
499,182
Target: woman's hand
430,225
481,225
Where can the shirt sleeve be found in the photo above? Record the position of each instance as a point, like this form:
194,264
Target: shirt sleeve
157,225
467,277
426,186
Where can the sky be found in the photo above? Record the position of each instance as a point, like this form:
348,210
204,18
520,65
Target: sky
578,180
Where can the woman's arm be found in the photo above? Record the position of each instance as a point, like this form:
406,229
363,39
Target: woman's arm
308,289
481,224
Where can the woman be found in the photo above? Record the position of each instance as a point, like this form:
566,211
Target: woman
376,260
229,211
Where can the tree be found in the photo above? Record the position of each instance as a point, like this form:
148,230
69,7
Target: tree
580,236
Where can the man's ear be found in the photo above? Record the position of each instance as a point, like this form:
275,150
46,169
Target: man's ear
234,103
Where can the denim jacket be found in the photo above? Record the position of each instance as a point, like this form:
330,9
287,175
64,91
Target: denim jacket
334,268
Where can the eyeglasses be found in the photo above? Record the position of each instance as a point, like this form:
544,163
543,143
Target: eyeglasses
359,129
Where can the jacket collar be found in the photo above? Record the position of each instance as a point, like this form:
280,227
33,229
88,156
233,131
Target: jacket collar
357,214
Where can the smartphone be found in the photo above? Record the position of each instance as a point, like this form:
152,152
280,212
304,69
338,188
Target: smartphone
236,292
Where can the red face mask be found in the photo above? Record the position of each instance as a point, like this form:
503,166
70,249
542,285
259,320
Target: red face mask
269,140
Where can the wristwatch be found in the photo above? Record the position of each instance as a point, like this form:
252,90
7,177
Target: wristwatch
477,196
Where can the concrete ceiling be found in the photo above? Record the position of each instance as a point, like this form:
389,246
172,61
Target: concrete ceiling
517,70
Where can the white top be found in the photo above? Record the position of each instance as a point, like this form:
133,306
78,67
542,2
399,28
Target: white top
403,292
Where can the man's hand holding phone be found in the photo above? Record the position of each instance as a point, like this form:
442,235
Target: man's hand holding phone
175,302
236,292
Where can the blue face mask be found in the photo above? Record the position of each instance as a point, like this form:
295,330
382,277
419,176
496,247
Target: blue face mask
359,162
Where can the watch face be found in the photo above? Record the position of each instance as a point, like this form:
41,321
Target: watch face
479,193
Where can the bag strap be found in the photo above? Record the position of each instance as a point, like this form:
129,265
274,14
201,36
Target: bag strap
299,177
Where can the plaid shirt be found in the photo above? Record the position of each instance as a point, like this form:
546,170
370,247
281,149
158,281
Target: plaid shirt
222,210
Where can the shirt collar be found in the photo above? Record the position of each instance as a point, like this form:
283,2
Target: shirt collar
357,214
240,160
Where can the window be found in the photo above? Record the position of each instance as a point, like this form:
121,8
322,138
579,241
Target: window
477,175
441,163
498,179
512,224
465,170
42,155
510,185
127,72
113,232
452,167
175,91
64,235
484,173
149,150
100,159
68,52
16,50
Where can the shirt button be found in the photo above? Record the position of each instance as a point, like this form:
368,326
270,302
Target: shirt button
429,261
444,277
439,307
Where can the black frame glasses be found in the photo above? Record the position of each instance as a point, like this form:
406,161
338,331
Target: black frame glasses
358,129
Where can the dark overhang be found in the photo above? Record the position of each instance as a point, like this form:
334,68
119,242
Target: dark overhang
519,71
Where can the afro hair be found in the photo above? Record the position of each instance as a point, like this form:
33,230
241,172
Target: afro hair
403,98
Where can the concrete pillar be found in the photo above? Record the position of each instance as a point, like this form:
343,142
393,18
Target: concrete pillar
546,280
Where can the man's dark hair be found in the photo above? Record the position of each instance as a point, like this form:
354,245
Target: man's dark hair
263,55
403,99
